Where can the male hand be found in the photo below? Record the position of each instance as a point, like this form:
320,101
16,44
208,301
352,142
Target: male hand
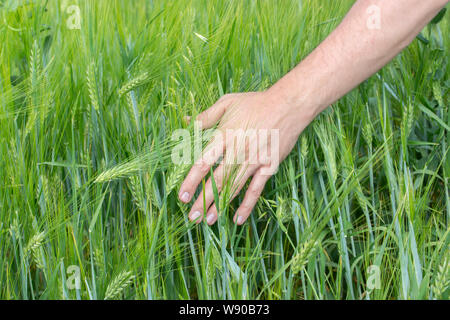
256,132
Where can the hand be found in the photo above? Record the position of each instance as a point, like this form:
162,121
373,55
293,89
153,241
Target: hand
245,118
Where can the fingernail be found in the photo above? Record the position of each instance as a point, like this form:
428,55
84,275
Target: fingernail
185,197
195,215
210,218
240,220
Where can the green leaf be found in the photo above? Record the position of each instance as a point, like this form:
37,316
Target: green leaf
439,16
97,212
434,116
422,39
215,190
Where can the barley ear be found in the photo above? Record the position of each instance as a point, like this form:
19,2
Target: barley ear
136,189
304,254
442,280
134,83
35,74
175,177
367,129
92,86
35,242
33,248
118,285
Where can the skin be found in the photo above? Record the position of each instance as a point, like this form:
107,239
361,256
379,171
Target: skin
353,52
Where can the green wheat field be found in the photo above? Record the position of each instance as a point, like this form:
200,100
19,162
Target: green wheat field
90,94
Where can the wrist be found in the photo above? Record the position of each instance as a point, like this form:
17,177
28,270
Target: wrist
293,101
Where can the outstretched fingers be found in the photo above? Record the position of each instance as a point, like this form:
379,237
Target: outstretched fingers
211,154
206,197
200,169
251,197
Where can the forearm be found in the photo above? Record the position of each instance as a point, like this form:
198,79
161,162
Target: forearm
354,51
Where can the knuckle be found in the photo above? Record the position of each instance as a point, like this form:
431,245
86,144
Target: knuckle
253,192
204,169
203,166
268,170
245,208
206,116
